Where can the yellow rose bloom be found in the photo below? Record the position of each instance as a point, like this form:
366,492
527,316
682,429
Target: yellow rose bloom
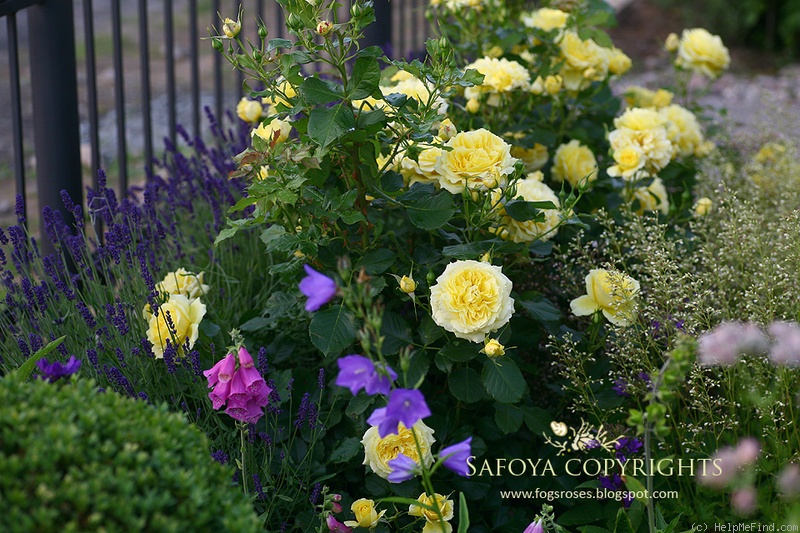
471,299
618,62
552,84
574,163
267,131
672,42
534,158
432,522
366,515
640,119
185,316
379,451
476,160
231,28
683,130
531,189
654,197
183,282
415,88
703,207
501,76
629,160
249,110
423,170
283,93
583,59
702,52
545,19
611,292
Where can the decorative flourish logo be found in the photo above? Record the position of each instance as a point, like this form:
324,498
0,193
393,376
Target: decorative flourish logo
584,438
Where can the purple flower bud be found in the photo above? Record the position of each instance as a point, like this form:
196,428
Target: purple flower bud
456,457
319,288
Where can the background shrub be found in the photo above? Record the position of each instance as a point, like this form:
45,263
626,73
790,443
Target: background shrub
75,459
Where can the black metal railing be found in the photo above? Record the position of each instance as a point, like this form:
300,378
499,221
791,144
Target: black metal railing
91,109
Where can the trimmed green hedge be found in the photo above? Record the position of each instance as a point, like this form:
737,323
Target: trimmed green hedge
74,459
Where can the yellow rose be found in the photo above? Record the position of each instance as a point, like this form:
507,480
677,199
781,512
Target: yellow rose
662,98
672,42
683,130
379,451
447,130
248,110
407,285
651,198
471,299
500,77
473,105
640,119
476,160
185,316
267,131
574,163
702,52
415,88
618,62
703,207
530,189
552,84
629,160
231,28
581,55
423,170
493,349
433,524
366,515
183,282
283,93
611,292
545,19
534,158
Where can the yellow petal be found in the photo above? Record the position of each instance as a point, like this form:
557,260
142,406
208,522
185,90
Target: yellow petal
585,305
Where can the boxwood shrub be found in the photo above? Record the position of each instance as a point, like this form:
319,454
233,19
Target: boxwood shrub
75,459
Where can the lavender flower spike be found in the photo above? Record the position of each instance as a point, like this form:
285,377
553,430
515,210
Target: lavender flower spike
403,469
319,288
455,457
54,371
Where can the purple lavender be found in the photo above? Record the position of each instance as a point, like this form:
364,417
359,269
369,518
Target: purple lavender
626,447
220,456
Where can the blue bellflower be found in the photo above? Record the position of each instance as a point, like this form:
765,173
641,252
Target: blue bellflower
319,288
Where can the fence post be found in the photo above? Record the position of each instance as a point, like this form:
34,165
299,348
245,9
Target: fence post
55,107
379,33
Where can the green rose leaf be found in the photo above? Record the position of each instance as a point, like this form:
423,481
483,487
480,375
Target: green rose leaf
315,91
345,451
365,79
508,418
358,404
426,209
461,351
523,211
541,309
255,324
503,380
465,384
377,261
327,124
332,330
396,333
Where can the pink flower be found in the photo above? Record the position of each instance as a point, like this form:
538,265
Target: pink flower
242,388
786,350
335,526
727,342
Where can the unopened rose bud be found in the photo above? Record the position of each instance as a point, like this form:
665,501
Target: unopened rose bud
216,43
294,22
231,28
552,84
262,32
486,258
407,285
493,349
324,27
494,51
672,42
473,105
447,130
537,87
703,207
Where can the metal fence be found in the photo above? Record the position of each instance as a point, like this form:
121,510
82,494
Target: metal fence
110,80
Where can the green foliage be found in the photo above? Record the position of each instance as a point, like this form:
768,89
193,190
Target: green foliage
75,459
